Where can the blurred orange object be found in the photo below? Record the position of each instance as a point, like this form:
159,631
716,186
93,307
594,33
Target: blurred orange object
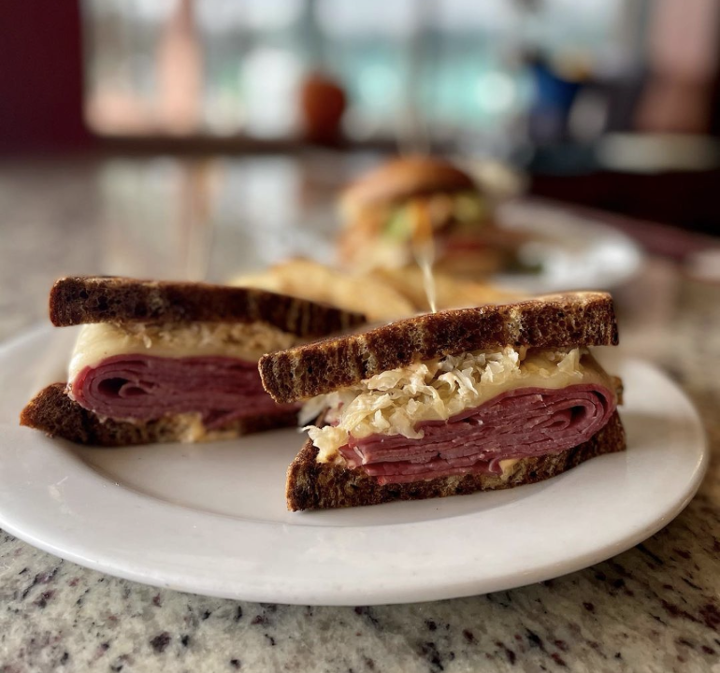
322,104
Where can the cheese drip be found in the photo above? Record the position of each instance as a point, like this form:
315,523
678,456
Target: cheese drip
396,401
244,341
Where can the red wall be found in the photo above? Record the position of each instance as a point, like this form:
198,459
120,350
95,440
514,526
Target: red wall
41,76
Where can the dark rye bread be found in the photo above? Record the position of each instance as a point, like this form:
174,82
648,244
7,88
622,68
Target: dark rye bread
313,485
53,412
553,321
92,299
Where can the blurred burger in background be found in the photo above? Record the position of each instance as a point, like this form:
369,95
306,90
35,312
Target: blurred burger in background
385,209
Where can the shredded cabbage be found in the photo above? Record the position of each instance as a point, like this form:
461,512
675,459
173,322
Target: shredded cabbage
396,401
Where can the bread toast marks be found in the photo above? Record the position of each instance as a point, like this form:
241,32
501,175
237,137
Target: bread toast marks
554,321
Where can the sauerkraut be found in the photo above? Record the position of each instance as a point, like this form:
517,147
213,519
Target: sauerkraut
398,400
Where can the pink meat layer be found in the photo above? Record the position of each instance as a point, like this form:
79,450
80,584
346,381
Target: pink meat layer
516,424
146,387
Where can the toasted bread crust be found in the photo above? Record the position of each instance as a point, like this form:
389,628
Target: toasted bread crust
53,412
91,299
404,178
555,321
313,485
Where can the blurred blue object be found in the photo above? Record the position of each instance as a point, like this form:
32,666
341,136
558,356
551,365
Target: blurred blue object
552,102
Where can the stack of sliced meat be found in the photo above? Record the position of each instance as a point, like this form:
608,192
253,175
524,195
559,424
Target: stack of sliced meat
516,424
145,387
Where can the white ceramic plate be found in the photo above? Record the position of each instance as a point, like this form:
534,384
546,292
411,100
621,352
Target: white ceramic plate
576,253
211,519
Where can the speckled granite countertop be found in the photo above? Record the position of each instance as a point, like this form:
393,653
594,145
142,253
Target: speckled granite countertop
653,608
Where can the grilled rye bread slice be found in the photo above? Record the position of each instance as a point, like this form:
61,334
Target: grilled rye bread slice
54,413
314,485
93,299
553,321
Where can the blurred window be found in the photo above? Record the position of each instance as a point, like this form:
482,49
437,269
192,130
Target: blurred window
224,68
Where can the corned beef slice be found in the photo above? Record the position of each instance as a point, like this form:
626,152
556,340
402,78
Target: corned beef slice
146,387
516,424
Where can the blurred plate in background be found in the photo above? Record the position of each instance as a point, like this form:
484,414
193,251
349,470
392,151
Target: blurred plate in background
574,252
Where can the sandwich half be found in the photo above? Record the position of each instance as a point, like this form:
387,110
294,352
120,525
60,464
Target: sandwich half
452,402
171,361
